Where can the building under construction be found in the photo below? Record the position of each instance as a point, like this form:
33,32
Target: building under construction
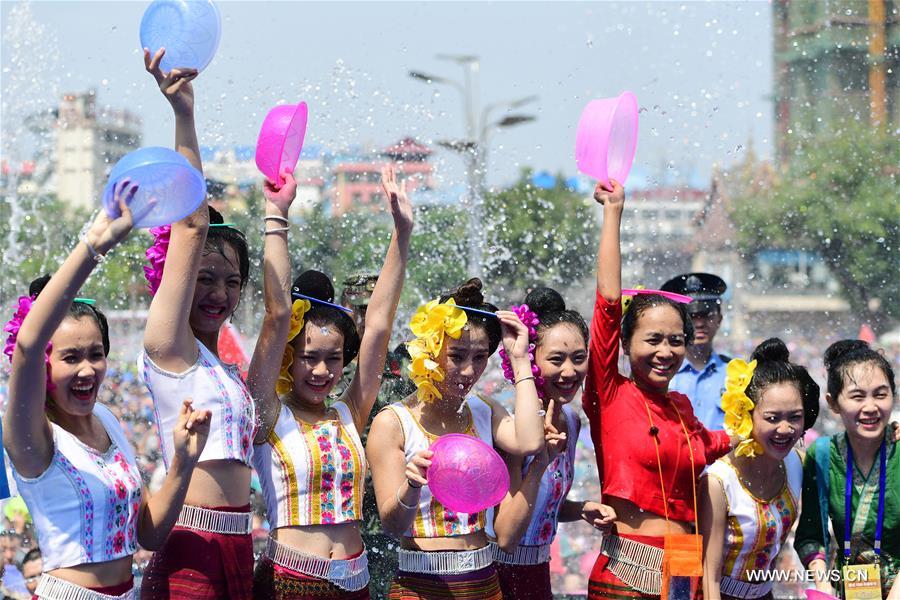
834,59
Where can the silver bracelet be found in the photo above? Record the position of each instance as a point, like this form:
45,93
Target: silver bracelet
276,218
277,230
518,381
404,505
98,258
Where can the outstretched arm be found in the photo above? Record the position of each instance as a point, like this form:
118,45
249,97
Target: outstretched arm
159,512
27,435
713,515
383,304
266,362
609,255
168,339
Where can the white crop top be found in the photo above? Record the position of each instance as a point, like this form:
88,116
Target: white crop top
555,485
433,519
212,385
85,505
312,473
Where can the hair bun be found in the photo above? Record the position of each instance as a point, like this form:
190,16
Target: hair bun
38,285
838,350
215,217
314,284
544,300
469,293
771,350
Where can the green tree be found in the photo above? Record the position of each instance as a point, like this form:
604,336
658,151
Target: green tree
838,198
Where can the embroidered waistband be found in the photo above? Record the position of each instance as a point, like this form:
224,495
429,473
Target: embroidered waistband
54,588
215,521
522,555
445,563
742,589
348,574
637,564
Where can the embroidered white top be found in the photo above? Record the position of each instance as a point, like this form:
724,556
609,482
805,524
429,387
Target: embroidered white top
85,505
756,528
432,518
312,473
212,385
555,485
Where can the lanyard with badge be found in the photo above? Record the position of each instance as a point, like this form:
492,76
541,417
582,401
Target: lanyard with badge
682,562
863,582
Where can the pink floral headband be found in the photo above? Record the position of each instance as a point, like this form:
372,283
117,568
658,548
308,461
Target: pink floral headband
156,255
13,326
531,321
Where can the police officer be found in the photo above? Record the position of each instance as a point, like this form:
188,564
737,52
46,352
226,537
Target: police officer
702,376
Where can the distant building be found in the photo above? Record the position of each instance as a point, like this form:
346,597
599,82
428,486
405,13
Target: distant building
357,180
89,141
834,60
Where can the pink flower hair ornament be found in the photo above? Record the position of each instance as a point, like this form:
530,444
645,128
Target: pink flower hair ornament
156,255
531,321
13,326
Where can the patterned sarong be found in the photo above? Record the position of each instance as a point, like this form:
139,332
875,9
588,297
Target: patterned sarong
274,582
477,585
603,583
199,565
525,582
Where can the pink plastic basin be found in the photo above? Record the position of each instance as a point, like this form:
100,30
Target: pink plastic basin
281,140
607,138
466,475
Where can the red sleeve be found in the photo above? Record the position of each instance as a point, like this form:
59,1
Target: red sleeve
603,358
716,444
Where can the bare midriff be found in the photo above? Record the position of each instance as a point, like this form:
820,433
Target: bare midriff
634,520
101,574
337,541
469,541
219,483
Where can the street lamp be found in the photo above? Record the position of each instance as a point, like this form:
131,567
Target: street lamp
474,147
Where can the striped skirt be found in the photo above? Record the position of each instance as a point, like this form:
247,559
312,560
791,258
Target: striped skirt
477,585
604,583
525,582
274,582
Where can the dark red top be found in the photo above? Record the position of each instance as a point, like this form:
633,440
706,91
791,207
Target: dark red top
626,456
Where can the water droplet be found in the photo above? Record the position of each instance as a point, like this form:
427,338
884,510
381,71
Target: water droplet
331,376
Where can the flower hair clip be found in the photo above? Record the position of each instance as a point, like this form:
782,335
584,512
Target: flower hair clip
530,319
298,314
13,326
430,324
156,255
738,406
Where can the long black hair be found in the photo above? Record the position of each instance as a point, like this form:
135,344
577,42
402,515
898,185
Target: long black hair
318,285
218,237
773,366
77,310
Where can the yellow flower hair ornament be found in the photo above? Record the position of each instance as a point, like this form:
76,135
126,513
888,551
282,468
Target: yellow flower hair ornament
738,406
430,324
298,312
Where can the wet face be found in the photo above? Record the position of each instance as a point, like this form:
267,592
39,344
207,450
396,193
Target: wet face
218,290
778,419
318,362
706,325
656,349
77,365
31,571
463,361
865,403
561,354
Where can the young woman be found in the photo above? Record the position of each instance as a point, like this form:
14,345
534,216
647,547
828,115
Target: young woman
72,462
849,477
445,554
197,272
311,462
527,518
749,499
650,447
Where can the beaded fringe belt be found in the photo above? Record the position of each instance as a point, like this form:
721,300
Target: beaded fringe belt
639,565
215,521
742,589
522,555
445,563
350,574
54,588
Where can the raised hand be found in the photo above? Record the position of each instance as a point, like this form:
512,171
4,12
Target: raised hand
175,85
554,440
610,195
107,231
191,431
281,195
515,335
398,201
599,515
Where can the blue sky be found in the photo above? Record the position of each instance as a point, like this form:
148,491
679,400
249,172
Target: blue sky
702,73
